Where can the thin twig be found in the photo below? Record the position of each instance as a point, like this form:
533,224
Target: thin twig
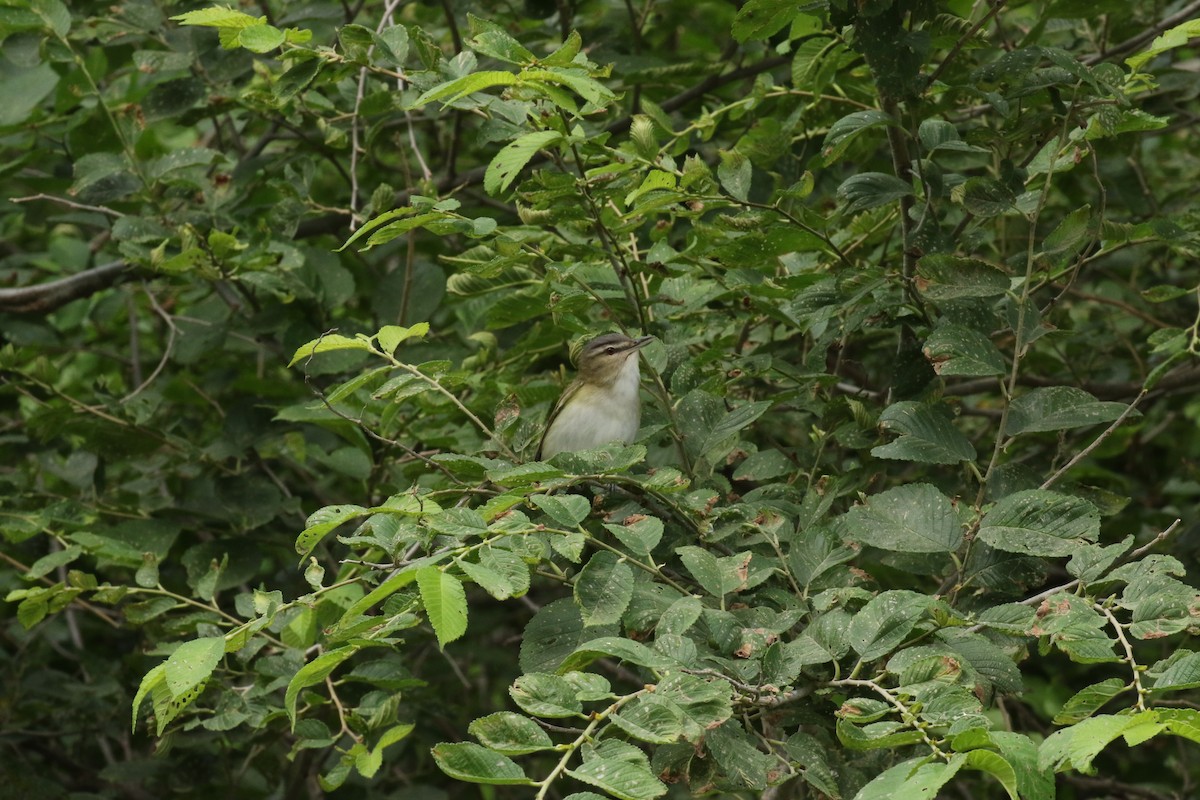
68,203
1082,454
170,348
1129,658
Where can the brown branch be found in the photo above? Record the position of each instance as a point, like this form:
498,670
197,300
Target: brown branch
1186,377
1136,42
46,297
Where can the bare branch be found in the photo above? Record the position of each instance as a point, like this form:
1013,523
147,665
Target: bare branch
46,297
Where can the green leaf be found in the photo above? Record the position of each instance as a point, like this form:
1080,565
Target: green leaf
870,190
503,169
390,336
943,277
1179,36
958,350
915,778
639,535
987,197
328,342
466,761
544,695
218,17
192,663
761,19
718,576
467,84
735,173
1021,752
876,736
1088,700
846,129
1183,673
1040,523
260,38
620,649
1075,747
916,518
499,45
1069,234
651,719
154,678
1055,408
565,54
510,734
391,46
583,85
324,521
886,621
603,589
621,779
927,434
312,673
567,510
445,603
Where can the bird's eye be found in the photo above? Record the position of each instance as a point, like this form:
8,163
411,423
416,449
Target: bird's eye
612,351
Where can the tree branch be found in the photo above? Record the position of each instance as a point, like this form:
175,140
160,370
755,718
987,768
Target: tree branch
46,297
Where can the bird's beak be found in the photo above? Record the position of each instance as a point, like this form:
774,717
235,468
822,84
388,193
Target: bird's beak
638,344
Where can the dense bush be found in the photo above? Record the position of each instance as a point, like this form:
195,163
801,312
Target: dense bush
290,288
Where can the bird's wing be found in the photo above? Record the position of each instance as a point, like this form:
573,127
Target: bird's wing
567,394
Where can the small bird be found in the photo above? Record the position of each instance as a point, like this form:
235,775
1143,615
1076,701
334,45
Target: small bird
601,405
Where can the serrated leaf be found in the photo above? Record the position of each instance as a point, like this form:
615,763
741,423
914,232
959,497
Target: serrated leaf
651,719
1055,408
1088,700
916,518
313,673
958,350
761,19
621,779
328,342
871,189
1069,233
1183,673
567,510
467,761
844,131
1075,747
499,45
927,434
987,197
735,173
945,277
510,734
565,54
544,695
322,522
886,621
467,84
1040,523
640,536
603,589
503,169
390,336
1179,36
192,663
615,647
445,603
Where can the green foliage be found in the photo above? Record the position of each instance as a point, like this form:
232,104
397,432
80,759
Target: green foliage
289,294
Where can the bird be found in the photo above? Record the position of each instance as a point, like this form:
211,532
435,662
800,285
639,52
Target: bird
602,404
